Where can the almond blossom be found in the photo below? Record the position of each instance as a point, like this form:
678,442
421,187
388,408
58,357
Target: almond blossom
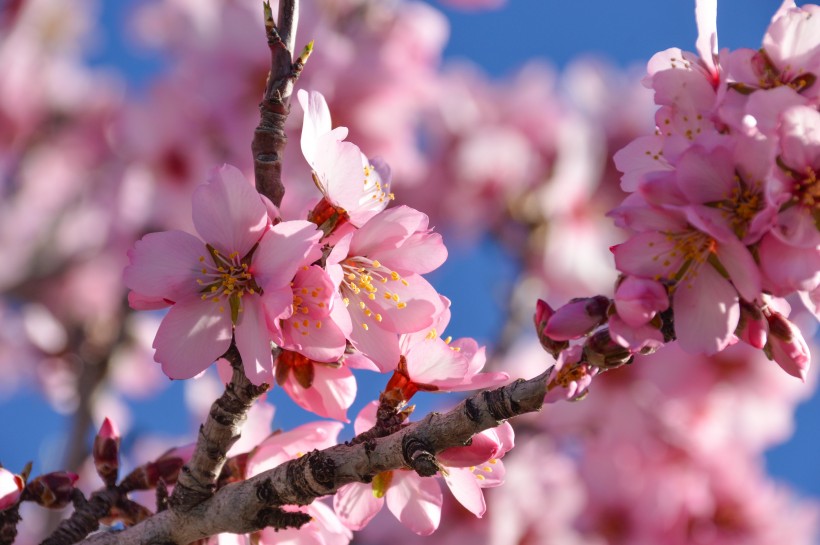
431,363
378,269
228,284
351,185
415,501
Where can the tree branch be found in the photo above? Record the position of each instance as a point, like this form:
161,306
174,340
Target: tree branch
246,506
197,479
269,139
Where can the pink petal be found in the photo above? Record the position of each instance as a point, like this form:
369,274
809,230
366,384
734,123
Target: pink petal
800,137
165,265
415,501
356,505
254,341
366,418
638,300
705,176
387,230
432,360
331,394
706,312
191,337
320,339
340,170
381,346
228,213
284,248
706,43
464,486
423,305
316,123
788,268
420,253
635,256
742,269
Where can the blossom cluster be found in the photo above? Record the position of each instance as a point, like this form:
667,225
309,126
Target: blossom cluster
722,207
304,301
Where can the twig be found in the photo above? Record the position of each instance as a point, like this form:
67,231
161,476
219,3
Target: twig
242,507
269,139
197,479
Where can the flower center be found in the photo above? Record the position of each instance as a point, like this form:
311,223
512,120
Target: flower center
226,278
374,190
364,281
689,250
742,205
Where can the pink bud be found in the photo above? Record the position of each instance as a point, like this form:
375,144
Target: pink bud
577,318
106,452
638,300
543,313
787,346
601,351
52,490
11,486
752,327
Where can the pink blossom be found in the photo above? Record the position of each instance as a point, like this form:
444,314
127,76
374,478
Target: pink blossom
414,500
799,165
571,376
787,346
577,318
347,179
326,389
11,486
696,266
470,469
229,285
638,300
432,363
318,326
378,269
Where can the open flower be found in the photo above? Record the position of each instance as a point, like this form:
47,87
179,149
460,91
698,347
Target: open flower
231,282
350,183
378,269
415,501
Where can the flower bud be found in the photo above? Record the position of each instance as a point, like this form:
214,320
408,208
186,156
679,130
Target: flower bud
638,300
752,328
166,467
11,486
787,346
543,312
577,318
52,490
106,452
601,351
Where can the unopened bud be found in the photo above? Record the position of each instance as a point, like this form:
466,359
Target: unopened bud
577,318
752,328
11,486
52,490
601,351
166,467
543,312
787,346
106,452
